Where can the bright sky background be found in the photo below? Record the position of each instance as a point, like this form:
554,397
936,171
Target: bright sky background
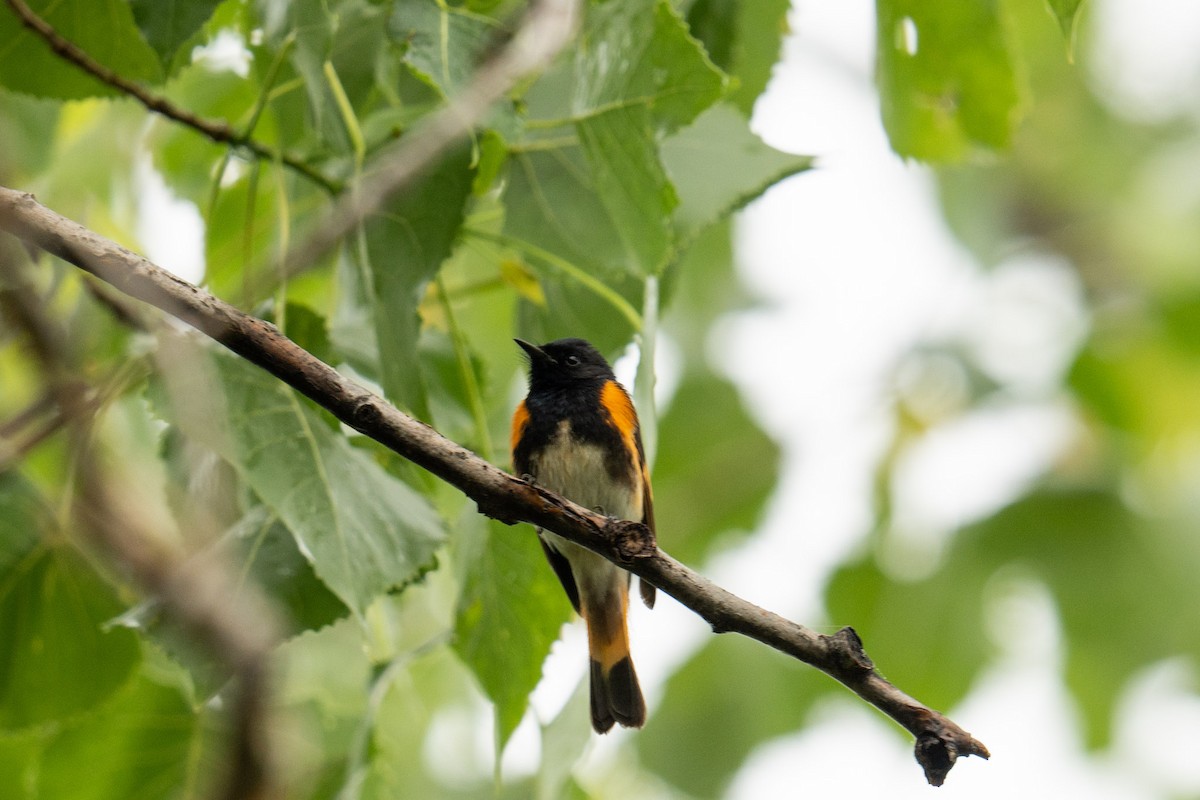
858,267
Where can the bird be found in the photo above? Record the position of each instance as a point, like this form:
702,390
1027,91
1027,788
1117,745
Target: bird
577,434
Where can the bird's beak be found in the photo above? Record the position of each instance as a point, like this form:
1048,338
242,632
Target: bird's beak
536,354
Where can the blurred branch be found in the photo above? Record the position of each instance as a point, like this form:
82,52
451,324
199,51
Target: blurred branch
198,595
545,30
939,741
217,130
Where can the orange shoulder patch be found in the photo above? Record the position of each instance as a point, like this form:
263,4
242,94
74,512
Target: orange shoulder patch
620,410
520,420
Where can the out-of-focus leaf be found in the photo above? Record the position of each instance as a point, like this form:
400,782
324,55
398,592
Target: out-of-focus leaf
563,741
24,519
1146,387
1066,12
57,659
91,167
139,747
946,81
743,39
718,165
731,696
1096,558
509,612
27,130
450,400
18,764
715,469
700,287
240,234
1124,586
346,38
167,24
926,636
518,275
363,531
104,29
444,43
406,244
572,309
185,159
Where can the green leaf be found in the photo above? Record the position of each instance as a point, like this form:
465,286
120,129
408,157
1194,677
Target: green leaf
731,696
718,166
104,29
444,43
18,764
744,40
268,553
552,202
363,531
406,245
140,747
946,79
629,180
57,658
24,520
510,610
715,469
167,24
640,53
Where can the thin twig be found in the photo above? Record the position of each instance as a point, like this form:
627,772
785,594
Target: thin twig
218,130
939,741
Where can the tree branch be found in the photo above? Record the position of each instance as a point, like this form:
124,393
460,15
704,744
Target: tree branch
219,131
939,741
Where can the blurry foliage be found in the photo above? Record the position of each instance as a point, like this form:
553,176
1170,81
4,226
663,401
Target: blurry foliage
407,613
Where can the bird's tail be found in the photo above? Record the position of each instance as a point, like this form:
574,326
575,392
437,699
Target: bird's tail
616,695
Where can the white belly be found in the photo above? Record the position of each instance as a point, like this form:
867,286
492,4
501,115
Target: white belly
584,479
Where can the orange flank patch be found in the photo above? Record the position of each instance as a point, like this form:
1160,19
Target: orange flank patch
620,410
520,420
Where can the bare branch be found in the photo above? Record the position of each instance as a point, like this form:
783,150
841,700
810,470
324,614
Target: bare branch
939,741
218,130
199,594
546,29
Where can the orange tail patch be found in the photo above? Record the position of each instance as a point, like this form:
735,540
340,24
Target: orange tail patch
615,691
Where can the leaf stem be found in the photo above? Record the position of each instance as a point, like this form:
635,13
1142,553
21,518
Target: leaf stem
643,386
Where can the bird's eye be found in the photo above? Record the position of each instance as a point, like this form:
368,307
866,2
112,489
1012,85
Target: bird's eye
572,361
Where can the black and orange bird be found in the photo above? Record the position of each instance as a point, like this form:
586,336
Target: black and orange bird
576,433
